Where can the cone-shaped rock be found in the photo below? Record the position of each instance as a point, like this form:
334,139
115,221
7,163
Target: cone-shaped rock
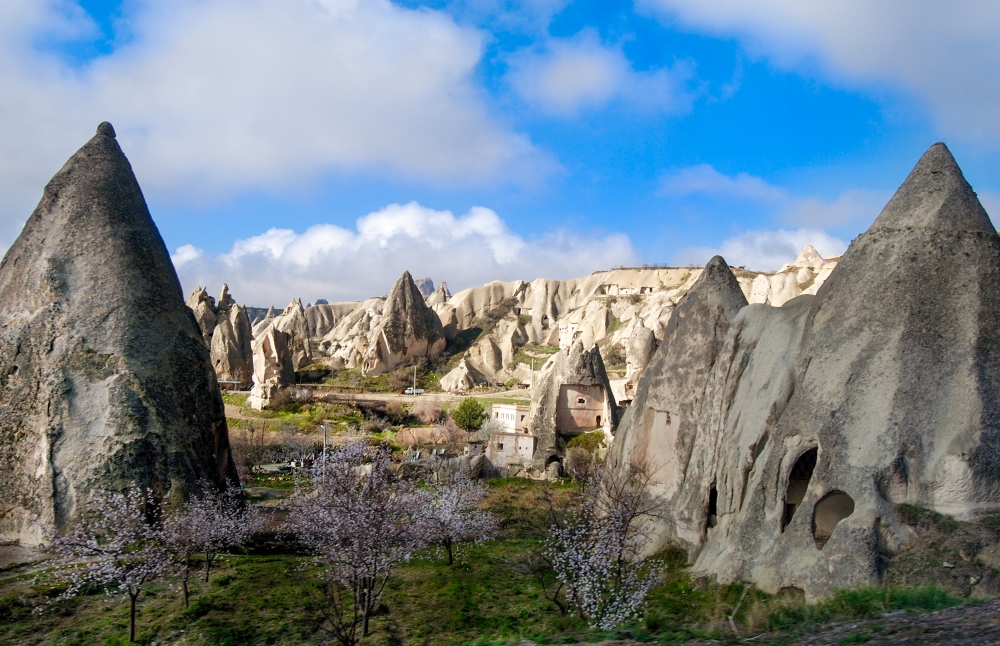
822,417
658,429
410,330
106,381
573,396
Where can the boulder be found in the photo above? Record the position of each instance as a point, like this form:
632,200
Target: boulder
106,379
409,331
272,367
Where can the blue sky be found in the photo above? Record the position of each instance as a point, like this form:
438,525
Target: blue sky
318,148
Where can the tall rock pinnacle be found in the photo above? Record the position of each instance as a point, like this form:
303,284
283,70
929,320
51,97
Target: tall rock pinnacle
105,380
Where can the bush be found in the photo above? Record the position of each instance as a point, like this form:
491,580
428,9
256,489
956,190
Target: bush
469,415
428,412
589,442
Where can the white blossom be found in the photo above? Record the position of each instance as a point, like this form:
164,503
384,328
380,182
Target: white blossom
117,545
450,515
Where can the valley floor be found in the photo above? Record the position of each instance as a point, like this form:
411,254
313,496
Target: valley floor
492,595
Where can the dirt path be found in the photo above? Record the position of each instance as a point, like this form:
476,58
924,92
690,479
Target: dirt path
972,624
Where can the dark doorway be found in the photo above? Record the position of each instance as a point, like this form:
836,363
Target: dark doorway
798,483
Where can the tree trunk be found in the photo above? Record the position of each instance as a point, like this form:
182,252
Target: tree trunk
208,567
185,583
447,546
131,622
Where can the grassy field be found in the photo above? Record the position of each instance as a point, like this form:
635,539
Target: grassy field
492,595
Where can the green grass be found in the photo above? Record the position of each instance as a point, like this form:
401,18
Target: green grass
490,596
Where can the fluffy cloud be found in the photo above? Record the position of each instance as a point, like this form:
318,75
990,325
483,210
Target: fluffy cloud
763,250
571,74
947,53
327,261
703,180
212,97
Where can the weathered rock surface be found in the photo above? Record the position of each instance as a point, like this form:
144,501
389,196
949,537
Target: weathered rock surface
227,333
659,430
573,366
106,381
272,367
231,343
409,330
820,417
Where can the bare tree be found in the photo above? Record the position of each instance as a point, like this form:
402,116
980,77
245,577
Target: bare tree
250,448
451,515
360,521
117,545
596,548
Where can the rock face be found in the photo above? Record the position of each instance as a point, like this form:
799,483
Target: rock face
231,344
409,330
106,381
573,396
820,417
226,330
660,427
272,367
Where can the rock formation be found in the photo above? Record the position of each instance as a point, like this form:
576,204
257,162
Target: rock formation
106,381
203,307
409,330
425,286
231,343
659,429
227,333
820,417
462,378
572,396
272,367
439,295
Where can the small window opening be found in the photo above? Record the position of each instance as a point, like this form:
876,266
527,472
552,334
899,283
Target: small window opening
499,446
581,401
713,507
798,483
598,420
830,510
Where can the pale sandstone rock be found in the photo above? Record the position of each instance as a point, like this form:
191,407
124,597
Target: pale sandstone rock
273,367
409,330
106,379
462,378
573,366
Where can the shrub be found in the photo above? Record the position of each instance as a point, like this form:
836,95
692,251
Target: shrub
428,412
469,414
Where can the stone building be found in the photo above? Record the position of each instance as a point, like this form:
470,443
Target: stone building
513,417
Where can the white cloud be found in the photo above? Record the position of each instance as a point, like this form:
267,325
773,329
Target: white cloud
212,97
946,53
853,205
704,179
327,261
763,250
572,74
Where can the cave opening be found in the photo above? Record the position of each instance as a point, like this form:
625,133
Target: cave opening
713,507
830,510
798,483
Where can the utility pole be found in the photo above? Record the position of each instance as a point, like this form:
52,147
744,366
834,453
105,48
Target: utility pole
414,380
323,426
